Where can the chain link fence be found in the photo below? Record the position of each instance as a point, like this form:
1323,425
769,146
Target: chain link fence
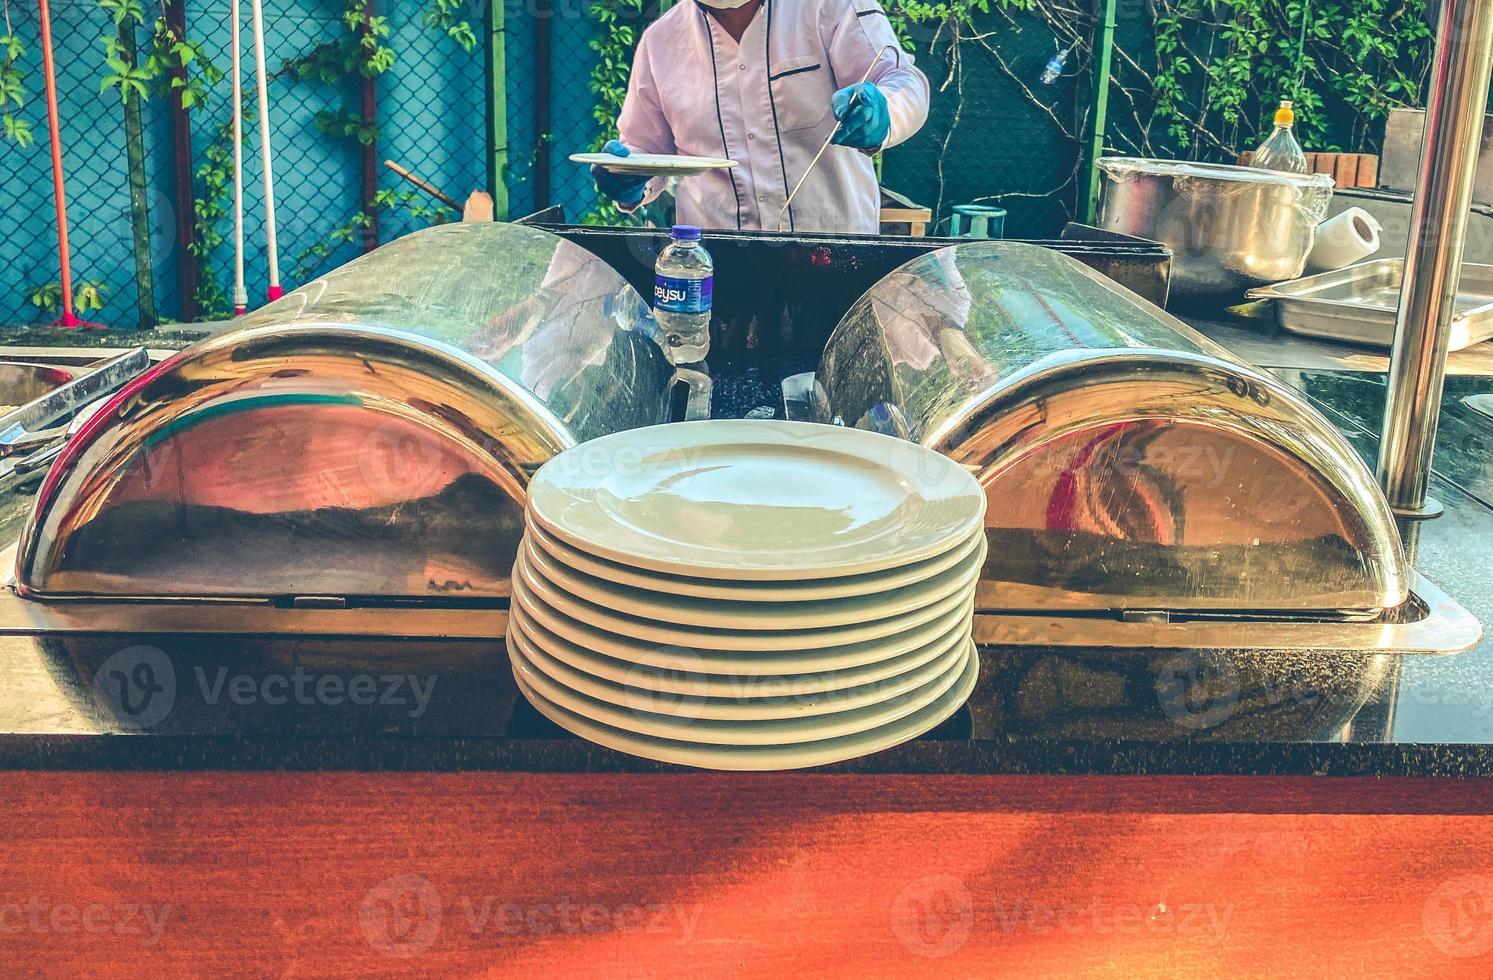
92,127
429,115
997,131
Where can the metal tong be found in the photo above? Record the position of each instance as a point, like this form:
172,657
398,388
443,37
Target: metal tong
829,139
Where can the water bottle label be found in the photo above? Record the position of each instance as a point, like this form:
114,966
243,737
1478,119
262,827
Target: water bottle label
682,295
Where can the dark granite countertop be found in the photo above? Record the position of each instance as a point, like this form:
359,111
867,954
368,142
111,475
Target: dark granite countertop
452,706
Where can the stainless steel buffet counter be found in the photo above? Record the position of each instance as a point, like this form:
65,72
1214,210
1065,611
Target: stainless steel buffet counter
329,701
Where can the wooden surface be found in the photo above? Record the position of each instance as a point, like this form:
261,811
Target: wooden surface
516,874
1347,169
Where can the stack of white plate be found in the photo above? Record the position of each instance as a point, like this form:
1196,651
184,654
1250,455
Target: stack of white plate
748,595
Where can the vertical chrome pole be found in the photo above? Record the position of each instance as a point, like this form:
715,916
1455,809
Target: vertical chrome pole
1433,262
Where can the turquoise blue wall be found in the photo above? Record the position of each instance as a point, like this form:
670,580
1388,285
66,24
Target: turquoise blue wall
432,111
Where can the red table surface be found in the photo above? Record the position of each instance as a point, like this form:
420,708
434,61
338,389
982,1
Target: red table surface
311,874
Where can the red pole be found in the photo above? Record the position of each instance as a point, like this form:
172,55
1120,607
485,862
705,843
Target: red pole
49,70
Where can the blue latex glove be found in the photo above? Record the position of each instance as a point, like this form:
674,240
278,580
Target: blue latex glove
626,189
865,124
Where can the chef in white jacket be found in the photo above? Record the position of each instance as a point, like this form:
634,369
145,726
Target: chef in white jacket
764,83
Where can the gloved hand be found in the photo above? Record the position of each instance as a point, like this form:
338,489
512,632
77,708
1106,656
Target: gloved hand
626,189
865,124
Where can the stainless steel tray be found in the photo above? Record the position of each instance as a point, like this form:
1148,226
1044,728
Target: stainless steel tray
1359,303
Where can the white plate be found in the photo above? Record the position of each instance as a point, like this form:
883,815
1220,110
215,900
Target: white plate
777,731
754,500
529,585
683,609
803,591
764,757
749,662
758,699
654,164
673,681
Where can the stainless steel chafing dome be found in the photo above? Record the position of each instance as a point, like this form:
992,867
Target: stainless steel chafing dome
1130,463
369,435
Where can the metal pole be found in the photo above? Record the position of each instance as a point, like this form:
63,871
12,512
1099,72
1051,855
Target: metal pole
544,12
59,196
183,199
368,99
235,43
1433,262
1104,46
261,80
497,108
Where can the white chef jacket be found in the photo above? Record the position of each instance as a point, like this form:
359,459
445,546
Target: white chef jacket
765,103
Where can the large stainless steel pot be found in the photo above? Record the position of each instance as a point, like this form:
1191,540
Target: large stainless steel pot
367,438
1230,228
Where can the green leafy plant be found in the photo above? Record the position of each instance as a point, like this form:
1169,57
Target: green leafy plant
311,259
1221,66
360,51
211,209
180,65
121,57
620,25
12,87
128,77
88,297
363,51
446,16
345,124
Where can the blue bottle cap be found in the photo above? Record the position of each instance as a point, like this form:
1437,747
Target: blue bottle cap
686,233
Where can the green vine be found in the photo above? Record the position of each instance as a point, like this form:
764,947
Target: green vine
446,16
179,65
12,88
88,297
362,51
310,260
1221,66
212,207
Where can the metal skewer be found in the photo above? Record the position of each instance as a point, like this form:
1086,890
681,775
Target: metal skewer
271,243
829,139
240,293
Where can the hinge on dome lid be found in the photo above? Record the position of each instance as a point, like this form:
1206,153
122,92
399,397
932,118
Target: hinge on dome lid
318,602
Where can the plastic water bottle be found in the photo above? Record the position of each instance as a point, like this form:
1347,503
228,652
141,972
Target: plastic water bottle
1281,151
1054,69
684,281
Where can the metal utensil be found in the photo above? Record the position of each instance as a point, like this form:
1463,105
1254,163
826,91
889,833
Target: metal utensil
21,429
1358,304
1230,227
63,433
829,139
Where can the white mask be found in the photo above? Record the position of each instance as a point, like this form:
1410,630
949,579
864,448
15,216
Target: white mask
724,4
